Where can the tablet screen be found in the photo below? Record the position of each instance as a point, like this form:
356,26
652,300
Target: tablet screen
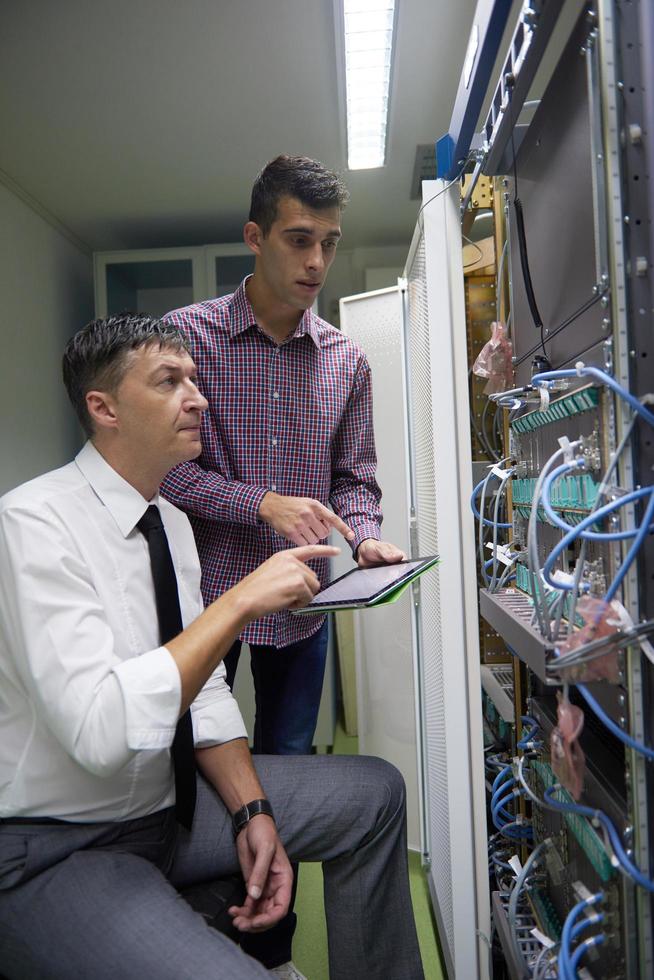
361,585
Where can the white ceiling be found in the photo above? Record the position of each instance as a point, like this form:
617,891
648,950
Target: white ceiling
142,123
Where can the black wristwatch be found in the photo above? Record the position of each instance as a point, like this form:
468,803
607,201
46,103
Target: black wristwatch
245,814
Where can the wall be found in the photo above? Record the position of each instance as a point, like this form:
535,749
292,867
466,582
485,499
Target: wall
46,284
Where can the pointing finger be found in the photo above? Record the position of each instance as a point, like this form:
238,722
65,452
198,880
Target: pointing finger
308,551
338,524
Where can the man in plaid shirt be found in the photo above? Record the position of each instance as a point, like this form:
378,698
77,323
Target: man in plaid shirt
287,433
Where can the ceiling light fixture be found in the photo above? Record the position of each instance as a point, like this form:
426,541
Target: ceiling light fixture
368,53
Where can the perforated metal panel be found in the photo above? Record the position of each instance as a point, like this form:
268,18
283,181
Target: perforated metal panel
448,650
424,468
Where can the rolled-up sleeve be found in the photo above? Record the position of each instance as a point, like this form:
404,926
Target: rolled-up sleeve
151,690
216,715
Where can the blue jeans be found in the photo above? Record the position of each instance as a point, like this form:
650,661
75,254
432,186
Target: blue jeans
287,689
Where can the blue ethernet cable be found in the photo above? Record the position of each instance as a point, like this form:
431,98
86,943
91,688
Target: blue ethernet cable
498,806
619,733
587,521
475,511
603,378
499,801
575,932
571,929
581,951
501,776
499,812
585,811
546,500
529,735
643,531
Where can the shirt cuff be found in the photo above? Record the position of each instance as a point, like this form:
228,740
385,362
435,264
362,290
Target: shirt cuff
245,502
152,694
362,532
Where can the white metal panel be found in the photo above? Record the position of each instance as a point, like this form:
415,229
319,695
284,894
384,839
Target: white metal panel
447,617
385,688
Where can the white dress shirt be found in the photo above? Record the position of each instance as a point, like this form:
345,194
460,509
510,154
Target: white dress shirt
89,700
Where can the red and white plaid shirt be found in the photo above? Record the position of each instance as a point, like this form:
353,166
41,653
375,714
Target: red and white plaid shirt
295,419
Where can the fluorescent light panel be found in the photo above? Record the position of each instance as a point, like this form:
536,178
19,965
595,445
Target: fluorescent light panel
368,51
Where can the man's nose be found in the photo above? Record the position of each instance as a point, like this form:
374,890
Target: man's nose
196,400
315,258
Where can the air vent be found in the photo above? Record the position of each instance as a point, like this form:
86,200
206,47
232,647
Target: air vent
423,169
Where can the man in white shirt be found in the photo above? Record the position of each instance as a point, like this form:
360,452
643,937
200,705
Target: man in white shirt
91,853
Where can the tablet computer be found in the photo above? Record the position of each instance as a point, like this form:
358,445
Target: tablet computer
362,588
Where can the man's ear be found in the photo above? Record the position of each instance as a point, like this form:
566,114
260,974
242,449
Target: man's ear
102,409
253,236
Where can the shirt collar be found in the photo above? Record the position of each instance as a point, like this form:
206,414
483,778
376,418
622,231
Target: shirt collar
122,500
242,317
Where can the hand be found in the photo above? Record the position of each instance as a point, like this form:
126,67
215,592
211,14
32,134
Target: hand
267,873
301,519
371,552
281,582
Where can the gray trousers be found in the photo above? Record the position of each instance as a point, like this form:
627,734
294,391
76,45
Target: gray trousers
99,901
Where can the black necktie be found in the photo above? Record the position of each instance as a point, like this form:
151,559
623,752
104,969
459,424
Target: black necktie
170,624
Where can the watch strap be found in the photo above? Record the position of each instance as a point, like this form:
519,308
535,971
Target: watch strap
249,810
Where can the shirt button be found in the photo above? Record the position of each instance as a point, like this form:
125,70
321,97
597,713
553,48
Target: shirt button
273,487
275,395
274,441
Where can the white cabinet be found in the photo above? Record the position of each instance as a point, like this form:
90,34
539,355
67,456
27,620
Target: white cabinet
226,267
157,280
384,637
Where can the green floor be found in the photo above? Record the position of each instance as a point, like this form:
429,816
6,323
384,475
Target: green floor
310,943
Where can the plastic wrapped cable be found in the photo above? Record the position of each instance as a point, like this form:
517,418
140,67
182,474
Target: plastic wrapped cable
567,757
495,360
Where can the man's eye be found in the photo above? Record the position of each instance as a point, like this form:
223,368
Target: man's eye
299,241
331,245
168,381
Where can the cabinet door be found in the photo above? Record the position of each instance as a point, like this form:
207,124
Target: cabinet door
383,638
227,266
152,281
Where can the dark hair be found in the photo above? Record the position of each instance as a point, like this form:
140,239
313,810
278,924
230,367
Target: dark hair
299,177
98,355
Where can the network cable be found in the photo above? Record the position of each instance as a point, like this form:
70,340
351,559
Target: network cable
542,613
581,951
620,858
572,929
603,486
581,370
593,518
531,733
521,880
473,505
619,733
483,486
546,500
